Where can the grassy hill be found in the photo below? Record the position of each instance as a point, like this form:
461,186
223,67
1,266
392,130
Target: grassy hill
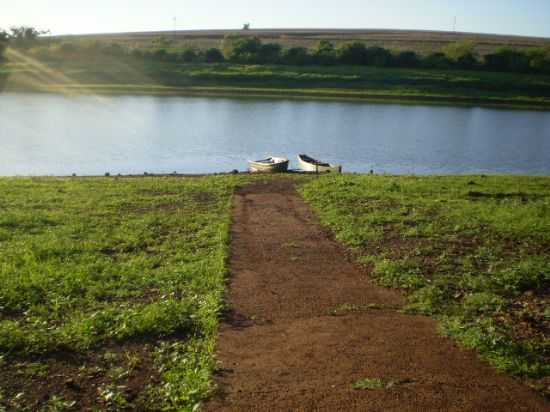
420,41
91,64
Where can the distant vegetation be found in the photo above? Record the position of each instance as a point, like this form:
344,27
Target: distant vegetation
249,49
243,64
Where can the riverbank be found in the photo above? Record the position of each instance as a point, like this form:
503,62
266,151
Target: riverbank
345,83
111,289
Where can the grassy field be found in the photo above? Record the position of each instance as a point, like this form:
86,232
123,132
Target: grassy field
341,82
111,288
110,291
474,251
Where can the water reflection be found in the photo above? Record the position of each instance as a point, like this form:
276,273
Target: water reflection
59,135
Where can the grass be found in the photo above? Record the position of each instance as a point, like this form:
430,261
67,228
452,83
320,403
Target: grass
125,75
473,251
110,287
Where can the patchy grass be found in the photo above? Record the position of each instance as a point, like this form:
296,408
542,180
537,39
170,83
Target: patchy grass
474,251
370,384
373,384
110,288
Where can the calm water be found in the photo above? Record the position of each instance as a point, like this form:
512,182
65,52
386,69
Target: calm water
58,135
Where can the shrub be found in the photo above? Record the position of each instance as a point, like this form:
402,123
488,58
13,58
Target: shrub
507,59
241,49
189,55
324,53
213,55
296,56
406,59
378,56
436,61
461,54
352,53
269,53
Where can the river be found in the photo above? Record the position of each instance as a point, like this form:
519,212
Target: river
47,134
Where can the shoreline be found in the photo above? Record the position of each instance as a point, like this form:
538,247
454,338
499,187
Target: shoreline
329,95
293,172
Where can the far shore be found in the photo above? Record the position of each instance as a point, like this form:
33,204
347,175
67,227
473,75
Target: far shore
334,95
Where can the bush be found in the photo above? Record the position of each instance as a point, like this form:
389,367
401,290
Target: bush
269,53
213,55
378,56
296,56
436,61
242,49
406,59
508,59
324,53
189,55
461,54
160,54
353,53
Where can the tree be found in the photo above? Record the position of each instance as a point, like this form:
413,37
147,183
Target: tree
352,53
25,36
188,55
324,53
270,53
436,61
242,49
213,55
461,54
539,59
378,56
507,59
296,56
406,59
4,38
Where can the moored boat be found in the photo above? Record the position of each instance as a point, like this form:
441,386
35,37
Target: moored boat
309,164
269,165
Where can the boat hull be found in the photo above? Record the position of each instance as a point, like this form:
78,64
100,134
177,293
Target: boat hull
279,165
315,168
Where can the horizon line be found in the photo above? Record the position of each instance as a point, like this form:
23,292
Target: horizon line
302,30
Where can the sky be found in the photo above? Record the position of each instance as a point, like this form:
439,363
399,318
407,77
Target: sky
521,17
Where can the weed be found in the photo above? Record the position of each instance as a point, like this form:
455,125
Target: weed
370,384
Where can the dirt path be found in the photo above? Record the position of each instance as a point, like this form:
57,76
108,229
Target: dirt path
282,348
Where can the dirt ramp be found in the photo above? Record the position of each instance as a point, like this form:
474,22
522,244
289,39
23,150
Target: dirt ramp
307,324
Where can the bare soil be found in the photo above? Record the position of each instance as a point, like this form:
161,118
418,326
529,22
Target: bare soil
282,347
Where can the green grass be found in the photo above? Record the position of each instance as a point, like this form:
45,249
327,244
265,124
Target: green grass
125,75
112,278
474,251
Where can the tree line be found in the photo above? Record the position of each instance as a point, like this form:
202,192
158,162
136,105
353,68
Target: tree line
243,49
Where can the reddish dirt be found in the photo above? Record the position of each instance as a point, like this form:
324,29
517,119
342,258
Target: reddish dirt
280,349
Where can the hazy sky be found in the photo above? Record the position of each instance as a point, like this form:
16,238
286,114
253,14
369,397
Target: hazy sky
526,17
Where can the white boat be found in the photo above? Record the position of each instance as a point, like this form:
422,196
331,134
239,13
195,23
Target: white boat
269,165
309,164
